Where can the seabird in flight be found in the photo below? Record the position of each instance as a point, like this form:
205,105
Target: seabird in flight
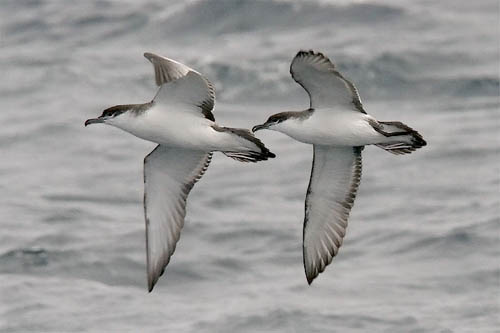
338,127
180,120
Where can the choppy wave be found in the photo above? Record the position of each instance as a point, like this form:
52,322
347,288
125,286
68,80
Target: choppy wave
263,74
421,251
227,16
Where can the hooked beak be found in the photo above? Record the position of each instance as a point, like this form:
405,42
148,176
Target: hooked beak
94,121
259,127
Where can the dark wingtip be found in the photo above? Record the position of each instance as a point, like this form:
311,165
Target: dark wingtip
271,155
310,279
305,53
151,284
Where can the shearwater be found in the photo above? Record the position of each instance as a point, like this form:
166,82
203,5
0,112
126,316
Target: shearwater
180,120
338,127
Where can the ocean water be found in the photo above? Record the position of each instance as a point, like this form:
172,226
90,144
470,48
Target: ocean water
422,249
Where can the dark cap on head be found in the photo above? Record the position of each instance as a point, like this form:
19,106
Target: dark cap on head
282,116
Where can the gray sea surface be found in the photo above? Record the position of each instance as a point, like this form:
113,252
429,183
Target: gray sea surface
422,248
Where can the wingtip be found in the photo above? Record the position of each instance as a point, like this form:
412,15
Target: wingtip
152,279
151,285
312,57
305,53
310,275
149,56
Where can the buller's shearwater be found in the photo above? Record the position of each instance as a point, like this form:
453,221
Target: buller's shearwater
338,127
180,120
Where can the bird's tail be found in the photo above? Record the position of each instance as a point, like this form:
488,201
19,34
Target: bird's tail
249,148
400,138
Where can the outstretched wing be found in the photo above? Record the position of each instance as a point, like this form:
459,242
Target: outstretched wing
324,84
169,175
181,87
335,178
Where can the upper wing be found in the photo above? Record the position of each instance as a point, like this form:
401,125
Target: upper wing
324,84
335,178
169,175
182,87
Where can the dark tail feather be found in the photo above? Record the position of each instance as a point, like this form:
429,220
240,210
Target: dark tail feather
411,140
261,154
248,156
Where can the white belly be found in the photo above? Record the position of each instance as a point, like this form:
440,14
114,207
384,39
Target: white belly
180,129
332,128
177,129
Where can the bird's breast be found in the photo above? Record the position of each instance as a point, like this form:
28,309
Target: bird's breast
327,127
170,129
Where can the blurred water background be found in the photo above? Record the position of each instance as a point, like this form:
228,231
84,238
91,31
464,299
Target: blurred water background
422,249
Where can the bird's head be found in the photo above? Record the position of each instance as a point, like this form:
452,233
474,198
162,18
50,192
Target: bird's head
110,114
273,122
